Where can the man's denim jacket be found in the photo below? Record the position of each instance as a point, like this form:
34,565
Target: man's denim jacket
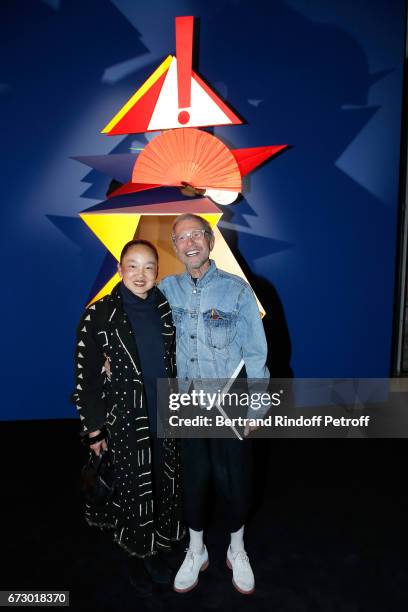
218,325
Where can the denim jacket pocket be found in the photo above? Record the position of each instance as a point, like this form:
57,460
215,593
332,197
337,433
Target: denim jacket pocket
220,328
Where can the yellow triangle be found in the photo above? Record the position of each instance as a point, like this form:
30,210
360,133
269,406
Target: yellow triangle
106,289
113,230
212,218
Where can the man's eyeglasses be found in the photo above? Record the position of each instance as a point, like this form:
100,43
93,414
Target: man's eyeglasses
197,234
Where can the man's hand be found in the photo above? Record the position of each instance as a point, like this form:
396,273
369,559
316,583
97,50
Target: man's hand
98,446
249,429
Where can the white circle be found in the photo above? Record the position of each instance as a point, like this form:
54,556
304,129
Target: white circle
222,196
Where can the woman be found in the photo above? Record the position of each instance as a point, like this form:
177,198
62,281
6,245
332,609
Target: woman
126,342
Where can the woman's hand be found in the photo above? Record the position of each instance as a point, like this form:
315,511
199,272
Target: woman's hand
98,446
106,367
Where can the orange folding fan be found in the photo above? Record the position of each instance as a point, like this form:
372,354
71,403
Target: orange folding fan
187,155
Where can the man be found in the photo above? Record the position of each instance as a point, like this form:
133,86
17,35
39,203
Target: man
218,326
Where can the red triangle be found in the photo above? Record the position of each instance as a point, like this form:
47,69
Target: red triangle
130,188
248,159
137,118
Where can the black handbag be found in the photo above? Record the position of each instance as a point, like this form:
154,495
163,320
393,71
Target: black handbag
97,478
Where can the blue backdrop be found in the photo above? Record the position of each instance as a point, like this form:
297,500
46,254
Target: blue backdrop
318,225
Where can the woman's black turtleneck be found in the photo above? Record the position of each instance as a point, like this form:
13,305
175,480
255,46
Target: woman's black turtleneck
144,318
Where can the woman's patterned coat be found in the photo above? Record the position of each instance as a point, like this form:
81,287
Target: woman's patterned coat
104,332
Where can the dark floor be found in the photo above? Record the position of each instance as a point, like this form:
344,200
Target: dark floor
329,536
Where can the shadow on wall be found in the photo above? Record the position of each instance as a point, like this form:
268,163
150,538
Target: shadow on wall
276,328
306,83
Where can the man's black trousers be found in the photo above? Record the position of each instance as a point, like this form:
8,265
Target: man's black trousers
225,463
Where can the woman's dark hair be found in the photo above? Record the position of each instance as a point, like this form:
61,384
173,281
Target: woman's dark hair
137,242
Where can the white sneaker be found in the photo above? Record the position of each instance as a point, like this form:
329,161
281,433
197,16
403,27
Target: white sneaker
187,576
242,574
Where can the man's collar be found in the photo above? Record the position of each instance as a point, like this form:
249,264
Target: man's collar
205,278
